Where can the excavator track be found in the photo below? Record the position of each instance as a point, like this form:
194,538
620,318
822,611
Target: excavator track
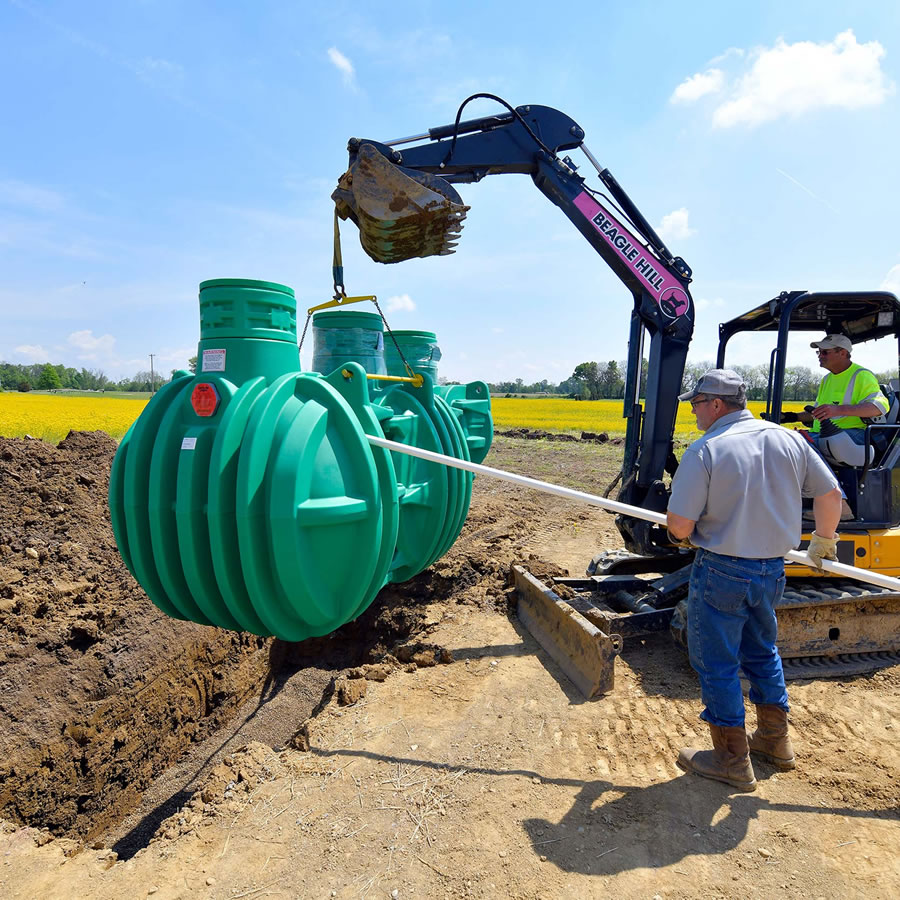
836,619
841,666
827,627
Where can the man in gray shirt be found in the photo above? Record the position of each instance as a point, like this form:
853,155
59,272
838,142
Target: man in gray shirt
737,497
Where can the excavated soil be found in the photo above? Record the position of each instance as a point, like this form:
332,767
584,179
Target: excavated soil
428,748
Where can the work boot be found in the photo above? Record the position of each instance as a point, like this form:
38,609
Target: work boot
728,761
770,740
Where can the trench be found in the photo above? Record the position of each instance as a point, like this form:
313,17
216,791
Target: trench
110,711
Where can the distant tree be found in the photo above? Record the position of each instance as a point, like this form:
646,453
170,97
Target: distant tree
587,374
192,364
610,381
24,386
800,383
49,380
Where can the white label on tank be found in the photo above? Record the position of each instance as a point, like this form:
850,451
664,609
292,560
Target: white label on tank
213,361
188,443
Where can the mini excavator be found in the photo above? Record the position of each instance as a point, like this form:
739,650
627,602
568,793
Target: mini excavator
401,195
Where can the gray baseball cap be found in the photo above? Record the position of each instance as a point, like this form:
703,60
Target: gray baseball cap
833,341
718,382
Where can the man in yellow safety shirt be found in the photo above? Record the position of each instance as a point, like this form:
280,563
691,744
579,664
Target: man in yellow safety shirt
847,394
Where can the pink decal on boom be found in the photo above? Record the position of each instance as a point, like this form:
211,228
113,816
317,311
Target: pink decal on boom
664,287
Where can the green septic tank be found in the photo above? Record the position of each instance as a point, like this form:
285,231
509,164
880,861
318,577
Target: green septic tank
247,496
471,404
342,336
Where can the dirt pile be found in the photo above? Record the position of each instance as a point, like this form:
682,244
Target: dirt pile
99,690
537,434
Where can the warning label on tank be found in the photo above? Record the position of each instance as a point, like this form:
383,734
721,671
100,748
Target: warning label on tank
213,361
188,443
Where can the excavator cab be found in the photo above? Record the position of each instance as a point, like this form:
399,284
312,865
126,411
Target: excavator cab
827,625
870,477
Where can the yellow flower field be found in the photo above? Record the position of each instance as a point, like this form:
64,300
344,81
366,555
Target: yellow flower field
558,414
52,416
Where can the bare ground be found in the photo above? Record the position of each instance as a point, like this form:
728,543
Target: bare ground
428,749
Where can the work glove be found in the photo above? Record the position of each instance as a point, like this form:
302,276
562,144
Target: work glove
789,417
680,542
821,548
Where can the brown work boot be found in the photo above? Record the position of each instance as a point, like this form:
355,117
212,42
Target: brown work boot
770,740
728,761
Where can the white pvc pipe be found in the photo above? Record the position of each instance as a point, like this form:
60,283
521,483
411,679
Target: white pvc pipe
625,509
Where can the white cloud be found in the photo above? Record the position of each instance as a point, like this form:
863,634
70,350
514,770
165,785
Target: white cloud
401,303
709,82
892,280
160,73
675,225
791,79
707,303
33,352
343,65
29,196
91,347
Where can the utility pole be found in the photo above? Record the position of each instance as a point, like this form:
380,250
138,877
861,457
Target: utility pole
152,377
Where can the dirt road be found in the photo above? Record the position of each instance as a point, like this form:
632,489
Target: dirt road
463,763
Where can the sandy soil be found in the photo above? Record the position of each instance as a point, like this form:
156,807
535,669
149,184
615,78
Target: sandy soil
431,749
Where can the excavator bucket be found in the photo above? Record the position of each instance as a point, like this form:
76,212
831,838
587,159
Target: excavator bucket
400,213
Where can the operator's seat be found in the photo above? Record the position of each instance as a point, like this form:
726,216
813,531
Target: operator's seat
883,439
891,391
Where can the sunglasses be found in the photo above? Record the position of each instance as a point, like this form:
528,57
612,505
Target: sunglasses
696,403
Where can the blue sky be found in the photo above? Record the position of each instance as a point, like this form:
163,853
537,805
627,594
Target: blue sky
147,146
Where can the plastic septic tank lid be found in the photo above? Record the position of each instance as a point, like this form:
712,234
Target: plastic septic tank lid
339,318
340,337
246,308
420,349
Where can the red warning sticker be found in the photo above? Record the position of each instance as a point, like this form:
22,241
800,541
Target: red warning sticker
205,399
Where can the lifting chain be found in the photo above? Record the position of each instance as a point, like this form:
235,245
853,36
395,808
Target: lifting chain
340,298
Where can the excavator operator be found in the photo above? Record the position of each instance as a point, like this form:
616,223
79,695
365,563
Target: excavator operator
847,394
736,495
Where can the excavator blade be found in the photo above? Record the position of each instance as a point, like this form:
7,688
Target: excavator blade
401,213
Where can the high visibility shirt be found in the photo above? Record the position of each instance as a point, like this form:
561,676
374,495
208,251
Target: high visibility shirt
854,385
742,483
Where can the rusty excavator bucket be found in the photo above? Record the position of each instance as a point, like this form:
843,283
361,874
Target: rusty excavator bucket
401,213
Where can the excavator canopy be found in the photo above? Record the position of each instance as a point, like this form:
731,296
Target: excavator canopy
401,213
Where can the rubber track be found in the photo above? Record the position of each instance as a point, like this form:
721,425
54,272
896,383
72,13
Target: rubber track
838,666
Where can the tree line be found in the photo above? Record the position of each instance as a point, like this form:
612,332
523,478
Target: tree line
47,377
588,381
606,381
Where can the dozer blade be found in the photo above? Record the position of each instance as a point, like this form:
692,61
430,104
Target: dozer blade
401,213
583,651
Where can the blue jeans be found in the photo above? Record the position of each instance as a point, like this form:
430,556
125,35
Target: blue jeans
732,626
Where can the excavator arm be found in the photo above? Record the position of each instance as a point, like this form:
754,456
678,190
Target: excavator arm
406,206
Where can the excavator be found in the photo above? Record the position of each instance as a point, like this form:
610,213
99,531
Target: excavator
401,194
